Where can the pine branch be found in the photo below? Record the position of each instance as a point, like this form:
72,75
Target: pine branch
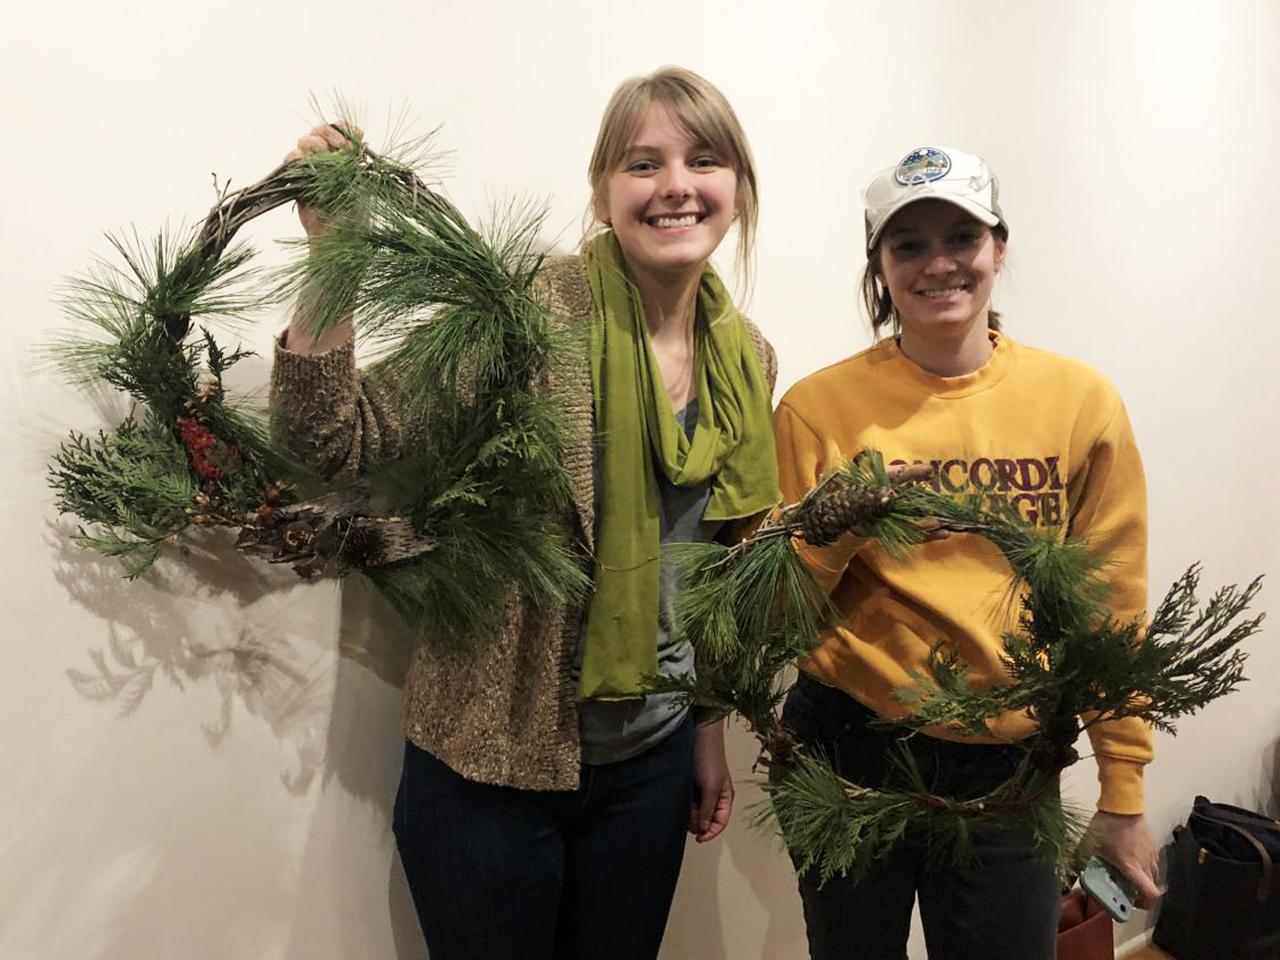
831,825
749,614
457,594
136,316
451,305
840,828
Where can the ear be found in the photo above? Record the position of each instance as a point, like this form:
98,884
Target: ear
1000,248
874,264
600,207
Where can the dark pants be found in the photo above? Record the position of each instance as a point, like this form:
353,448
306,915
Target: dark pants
499,874
1002,906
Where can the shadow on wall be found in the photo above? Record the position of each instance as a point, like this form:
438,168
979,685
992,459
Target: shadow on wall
354,899
744,874
158,635
340,717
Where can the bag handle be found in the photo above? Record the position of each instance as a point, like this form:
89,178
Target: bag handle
1264,883
1215,811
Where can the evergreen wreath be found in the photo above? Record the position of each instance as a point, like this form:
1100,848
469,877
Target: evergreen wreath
752,610
473,509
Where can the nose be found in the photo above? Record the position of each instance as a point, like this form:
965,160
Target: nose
676,183
941,261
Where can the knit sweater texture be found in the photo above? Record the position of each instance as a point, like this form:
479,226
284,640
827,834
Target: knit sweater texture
504,711
1042,432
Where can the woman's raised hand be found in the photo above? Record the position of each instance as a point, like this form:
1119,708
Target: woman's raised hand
321,139
301,336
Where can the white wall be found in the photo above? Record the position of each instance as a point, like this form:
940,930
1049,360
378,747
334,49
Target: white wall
231,798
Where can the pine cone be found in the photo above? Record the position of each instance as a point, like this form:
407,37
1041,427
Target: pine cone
848,509
363,545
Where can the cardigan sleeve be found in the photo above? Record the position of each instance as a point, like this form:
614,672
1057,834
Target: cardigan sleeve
335,419
767,356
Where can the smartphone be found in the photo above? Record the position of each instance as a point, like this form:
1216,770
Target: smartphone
1111,888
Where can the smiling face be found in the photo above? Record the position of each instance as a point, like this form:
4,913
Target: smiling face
671,200
939,265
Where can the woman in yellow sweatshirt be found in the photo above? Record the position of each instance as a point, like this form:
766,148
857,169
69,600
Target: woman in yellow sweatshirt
951,400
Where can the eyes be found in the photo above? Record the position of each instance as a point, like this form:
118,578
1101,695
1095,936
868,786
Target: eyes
703,163
957,241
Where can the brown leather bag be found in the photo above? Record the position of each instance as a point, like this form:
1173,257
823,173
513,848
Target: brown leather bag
1084,929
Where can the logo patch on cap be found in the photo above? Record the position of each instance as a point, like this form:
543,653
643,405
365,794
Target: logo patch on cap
922,165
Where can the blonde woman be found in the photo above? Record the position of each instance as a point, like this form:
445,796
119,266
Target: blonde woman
545,796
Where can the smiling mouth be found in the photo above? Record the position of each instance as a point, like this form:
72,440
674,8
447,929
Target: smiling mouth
941,293
675,221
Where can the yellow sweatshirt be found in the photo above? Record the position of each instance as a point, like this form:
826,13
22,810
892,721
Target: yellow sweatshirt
1048,434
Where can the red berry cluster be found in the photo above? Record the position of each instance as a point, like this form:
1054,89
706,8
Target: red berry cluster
203,448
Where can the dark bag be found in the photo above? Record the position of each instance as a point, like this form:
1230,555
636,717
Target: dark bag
1084,929
1223,901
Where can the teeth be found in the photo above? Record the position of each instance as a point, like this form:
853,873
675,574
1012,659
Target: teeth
688,220
939,294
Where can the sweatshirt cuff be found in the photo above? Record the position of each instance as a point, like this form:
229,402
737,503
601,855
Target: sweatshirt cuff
1121,782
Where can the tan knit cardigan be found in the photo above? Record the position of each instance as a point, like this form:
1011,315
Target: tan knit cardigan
506,711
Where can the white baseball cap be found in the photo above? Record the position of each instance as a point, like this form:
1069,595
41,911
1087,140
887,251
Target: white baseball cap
938,173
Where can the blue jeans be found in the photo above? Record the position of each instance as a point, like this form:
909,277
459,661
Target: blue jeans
1003,906
504,874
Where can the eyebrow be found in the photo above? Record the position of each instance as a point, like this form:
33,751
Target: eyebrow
640,149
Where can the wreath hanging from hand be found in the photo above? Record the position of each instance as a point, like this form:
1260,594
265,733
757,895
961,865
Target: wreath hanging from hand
476,506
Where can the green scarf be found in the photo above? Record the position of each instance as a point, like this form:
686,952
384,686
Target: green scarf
732,445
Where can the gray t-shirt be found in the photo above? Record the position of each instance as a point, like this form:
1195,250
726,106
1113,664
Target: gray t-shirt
613,730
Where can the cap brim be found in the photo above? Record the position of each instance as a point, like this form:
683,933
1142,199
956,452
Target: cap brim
976,210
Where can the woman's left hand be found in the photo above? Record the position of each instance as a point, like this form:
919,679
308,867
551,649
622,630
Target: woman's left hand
1125,842
712,785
